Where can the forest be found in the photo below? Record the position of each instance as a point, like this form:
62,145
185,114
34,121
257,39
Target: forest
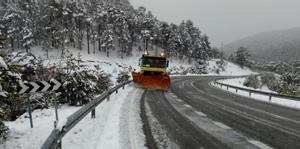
96,25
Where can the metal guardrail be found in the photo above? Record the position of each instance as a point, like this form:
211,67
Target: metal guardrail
288,97
54,140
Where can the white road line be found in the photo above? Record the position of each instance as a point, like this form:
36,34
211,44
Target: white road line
189,92
221,125
188,106
248,107
200,113
260,144
174,96
179,100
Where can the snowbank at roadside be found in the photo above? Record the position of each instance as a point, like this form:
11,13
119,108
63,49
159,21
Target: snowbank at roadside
105,131
238,82
23,137
274,100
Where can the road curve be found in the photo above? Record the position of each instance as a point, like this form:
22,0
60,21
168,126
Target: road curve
274,125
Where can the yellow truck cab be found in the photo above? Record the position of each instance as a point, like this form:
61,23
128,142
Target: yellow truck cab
153,65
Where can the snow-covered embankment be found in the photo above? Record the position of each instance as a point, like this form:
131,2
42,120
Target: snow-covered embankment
117,125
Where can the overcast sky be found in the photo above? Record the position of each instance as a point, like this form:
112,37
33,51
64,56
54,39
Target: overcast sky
227,20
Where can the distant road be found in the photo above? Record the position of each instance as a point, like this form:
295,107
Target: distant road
195,114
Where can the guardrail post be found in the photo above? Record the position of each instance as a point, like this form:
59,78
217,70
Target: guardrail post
270,97
59,146
249,93
56,107
116,91
236,90
123,87
55,124
93,113
221,85
227,88
108,97
29,112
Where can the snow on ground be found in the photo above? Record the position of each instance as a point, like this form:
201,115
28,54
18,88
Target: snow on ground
117,125
131,128
239,83
21,136
111,65
274,100
114,63
230,69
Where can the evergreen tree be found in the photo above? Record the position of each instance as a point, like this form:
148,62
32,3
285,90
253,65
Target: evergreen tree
242,56
108,39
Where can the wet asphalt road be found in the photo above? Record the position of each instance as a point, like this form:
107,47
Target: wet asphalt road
273,125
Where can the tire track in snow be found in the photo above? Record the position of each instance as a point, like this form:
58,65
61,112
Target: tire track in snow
150,143
131,129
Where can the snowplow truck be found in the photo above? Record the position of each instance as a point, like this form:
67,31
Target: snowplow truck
153,72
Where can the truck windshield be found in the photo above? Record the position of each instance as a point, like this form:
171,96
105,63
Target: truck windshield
154,62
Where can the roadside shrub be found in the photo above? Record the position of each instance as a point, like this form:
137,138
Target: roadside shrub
3,129
81,83
8,81
288,89
11,104
198,68
270,81
123,76
103,81
220,66
252,81
27,64
288,84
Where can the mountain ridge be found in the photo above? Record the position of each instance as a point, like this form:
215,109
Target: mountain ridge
270,46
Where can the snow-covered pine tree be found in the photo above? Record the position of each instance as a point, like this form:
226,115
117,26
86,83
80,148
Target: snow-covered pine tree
165,34
108,39
122,34
242,56
185,39
173,41
12,24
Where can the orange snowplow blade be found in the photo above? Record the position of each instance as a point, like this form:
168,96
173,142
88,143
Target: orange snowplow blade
152,81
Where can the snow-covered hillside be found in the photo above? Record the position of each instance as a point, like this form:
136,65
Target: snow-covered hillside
111,65
114,64
230,69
